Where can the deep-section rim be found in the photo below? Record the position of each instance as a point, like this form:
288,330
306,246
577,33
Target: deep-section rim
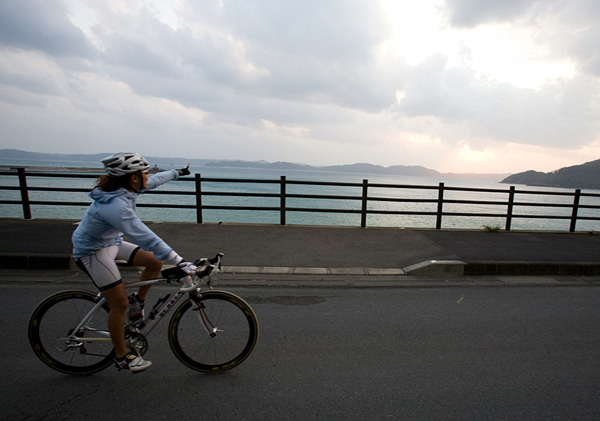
250,316
33,333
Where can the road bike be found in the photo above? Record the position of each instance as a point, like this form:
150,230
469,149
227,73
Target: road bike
211,331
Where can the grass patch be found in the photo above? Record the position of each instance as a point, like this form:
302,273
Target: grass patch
492,228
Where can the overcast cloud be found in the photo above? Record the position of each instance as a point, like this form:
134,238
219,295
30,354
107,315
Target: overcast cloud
454,85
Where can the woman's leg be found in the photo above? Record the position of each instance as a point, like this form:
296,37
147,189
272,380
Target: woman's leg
103,271
118,301
152,266
135,256
116,297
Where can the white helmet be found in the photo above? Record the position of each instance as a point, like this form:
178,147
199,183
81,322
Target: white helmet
123,163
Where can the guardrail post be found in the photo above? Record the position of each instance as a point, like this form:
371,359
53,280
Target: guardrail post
283,197
198,183
509,210
365,196
440,207
575,210
24,193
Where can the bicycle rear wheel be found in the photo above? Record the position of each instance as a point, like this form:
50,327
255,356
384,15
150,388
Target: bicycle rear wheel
54,340
213,332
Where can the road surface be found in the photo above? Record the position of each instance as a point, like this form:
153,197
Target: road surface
472,353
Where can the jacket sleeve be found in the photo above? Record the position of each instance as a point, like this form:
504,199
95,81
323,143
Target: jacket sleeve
126,221
161,178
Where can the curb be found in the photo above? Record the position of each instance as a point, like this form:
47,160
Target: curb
497,268
533,268
282,270
37,261
437,267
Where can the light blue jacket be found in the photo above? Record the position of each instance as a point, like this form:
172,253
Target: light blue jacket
113,214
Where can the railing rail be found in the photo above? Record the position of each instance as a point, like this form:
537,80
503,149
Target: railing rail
366,198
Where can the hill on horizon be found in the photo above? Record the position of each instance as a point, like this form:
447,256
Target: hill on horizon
358,168
584,176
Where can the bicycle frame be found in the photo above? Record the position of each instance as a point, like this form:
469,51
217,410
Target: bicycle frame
190,283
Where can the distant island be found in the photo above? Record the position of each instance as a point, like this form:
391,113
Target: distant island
361,168
584,176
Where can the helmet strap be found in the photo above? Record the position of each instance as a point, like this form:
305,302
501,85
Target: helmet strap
141,183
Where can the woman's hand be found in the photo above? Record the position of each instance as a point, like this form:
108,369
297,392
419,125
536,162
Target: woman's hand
185,171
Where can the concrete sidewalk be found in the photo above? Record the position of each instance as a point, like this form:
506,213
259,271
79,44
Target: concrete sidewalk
312,251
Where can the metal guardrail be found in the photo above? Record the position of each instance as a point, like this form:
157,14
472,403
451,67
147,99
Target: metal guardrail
366,199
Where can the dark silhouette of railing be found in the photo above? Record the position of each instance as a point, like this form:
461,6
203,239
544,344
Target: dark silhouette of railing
366,200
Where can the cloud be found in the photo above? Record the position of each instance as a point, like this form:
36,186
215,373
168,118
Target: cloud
290,51
430,89
564,30
468,101
562,115
41,25
470,13
334,30
386,81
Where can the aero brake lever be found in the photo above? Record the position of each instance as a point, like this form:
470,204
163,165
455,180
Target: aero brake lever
215,261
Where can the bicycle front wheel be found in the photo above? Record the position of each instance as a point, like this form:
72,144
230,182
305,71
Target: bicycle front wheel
213,332
55,341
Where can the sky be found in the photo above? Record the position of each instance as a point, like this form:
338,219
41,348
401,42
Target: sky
481,86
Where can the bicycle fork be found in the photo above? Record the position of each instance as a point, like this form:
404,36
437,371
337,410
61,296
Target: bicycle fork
208,326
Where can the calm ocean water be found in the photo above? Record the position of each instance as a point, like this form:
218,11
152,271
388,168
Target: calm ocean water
313,218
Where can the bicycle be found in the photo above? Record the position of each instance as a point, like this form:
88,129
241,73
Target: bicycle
211,331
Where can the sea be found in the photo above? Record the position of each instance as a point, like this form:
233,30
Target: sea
550,202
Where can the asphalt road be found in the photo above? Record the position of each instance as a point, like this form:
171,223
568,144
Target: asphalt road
349,354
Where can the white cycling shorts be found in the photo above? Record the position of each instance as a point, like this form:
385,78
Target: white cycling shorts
102,267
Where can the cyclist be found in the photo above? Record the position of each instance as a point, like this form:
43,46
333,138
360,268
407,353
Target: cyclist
98,243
